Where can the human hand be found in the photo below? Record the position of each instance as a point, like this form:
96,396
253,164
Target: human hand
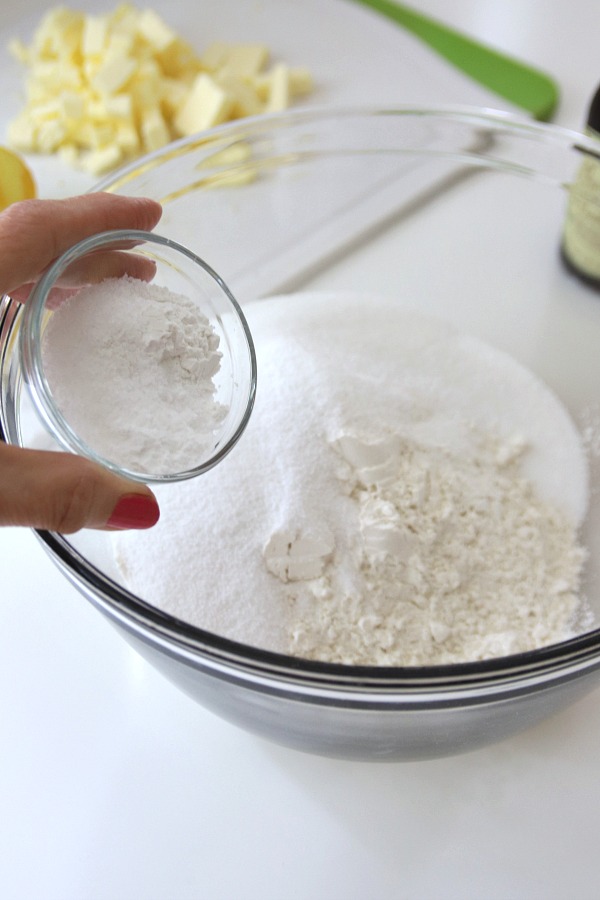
33,233
60,491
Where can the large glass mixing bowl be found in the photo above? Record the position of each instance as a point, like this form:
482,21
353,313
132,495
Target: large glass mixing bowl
458,213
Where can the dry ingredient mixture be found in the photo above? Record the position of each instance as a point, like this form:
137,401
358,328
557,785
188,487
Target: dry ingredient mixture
403,495
131,365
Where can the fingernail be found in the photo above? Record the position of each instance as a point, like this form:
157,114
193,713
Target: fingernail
134,511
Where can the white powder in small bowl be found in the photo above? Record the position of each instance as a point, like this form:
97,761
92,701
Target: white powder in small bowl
394,500
131,365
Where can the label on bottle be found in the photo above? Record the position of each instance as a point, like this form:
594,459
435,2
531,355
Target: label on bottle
581,237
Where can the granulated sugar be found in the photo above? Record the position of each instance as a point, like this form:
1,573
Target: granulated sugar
131,365
394,500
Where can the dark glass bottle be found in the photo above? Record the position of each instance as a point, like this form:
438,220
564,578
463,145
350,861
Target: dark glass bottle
580,248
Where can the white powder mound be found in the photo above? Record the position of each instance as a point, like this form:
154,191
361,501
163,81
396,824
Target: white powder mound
403,495
124,359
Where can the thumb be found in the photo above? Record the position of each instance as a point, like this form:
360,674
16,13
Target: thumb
63,492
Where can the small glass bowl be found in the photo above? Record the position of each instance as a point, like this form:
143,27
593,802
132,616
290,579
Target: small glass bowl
176,268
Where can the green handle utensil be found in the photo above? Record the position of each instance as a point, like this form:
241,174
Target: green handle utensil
522,85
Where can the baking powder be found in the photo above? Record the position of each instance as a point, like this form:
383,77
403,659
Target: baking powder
131,366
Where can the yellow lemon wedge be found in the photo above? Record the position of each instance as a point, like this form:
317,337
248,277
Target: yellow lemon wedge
16,180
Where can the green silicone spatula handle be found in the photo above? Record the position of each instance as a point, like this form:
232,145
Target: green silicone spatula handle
522,85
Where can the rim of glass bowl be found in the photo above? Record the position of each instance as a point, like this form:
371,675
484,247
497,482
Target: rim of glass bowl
494,120
37,384
555,662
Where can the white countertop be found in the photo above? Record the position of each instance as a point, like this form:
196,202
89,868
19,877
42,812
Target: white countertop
116,786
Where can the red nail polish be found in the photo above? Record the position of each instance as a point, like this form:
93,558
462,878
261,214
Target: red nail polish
134,511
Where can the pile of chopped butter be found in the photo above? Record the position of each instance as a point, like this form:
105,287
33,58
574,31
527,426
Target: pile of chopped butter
104,89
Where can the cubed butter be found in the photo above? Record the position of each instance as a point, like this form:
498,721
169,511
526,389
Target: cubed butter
93,39
128,139
71,105
279,89
215,56
155,133
50,135
118,106
112,74
102,88
207,105
245,60
244,99
22,133
173,95
101,161
154,30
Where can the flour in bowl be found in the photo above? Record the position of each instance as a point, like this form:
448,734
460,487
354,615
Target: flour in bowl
403,495
124,359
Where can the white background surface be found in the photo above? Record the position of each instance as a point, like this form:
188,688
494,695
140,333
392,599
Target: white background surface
113,785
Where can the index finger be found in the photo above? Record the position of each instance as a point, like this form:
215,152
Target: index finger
34,232
93,269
